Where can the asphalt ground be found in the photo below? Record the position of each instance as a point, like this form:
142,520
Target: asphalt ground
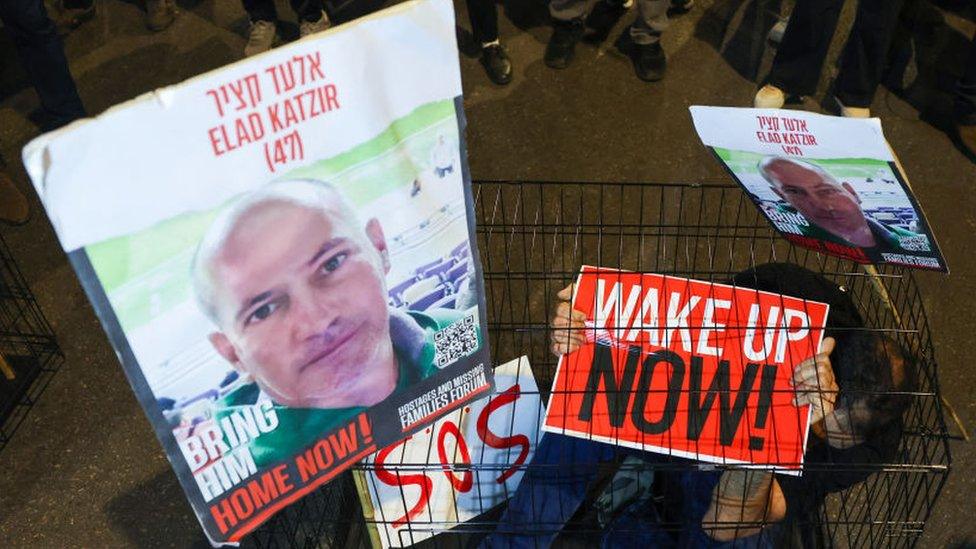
85,469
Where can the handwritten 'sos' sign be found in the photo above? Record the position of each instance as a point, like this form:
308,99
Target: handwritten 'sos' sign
463,465
688,368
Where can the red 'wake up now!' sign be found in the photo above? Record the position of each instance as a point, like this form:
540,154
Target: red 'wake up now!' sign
688,368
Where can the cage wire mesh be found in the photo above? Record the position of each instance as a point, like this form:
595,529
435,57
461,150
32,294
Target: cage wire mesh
29,352
533,237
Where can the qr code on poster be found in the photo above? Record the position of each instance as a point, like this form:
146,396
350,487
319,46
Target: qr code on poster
917,243
458,340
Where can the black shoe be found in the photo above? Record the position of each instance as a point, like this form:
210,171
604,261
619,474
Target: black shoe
649,61
562,43
497,64
602,18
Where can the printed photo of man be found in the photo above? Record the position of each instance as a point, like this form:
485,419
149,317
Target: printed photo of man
296,285
833,209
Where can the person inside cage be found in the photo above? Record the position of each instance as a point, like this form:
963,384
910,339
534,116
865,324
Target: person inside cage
858,385
296,286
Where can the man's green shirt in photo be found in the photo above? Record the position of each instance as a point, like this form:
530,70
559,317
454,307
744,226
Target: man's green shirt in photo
887,237
300,427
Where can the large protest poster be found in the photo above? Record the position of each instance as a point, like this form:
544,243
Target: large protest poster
458,468
687,368
282,252
826,183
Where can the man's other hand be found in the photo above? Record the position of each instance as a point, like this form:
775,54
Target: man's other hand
815,383
567,324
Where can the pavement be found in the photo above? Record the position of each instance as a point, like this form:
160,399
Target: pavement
85,469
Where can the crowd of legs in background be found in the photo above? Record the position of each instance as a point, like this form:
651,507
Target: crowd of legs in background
803,39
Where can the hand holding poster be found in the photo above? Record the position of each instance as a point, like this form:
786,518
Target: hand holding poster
412,501
288,279
687,368
826,183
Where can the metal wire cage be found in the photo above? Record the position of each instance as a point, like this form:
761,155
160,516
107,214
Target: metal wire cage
29,352
533,238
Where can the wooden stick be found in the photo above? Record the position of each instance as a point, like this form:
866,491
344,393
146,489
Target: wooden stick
882,291
369,512
8,372
955,418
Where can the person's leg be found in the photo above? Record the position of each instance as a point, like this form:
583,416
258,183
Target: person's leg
567,19
800,56
311,16
863,59
484,26
568,10
484,20
307,10
263,34
554,486
698,489
639,525
966,104
645,33
966,89
42,54
260,10
651,22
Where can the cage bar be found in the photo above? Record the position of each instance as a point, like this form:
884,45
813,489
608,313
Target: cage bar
533,237
29,352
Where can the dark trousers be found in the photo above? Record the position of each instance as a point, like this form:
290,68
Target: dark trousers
557,480
264,10
484,20
800,57
42,54
966,89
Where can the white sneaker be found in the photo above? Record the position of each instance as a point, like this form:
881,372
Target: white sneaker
769,97
262,37
779,29
853,112
306,28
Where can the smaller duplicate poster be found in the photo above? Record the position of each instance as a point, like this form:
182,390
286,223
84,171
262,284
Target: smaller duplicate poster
826,183
687,368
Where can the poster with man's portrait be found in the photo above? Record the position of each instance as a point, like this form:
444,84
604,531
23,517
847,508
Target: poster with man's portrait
826,183
282,253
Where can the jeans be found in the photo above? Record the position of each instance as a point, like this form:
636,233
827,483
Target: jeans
555,485
42,54
640,525
651,22
800,57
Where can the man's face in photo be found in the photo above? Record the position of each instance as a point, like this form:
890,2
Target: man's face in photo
300,298
821,200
